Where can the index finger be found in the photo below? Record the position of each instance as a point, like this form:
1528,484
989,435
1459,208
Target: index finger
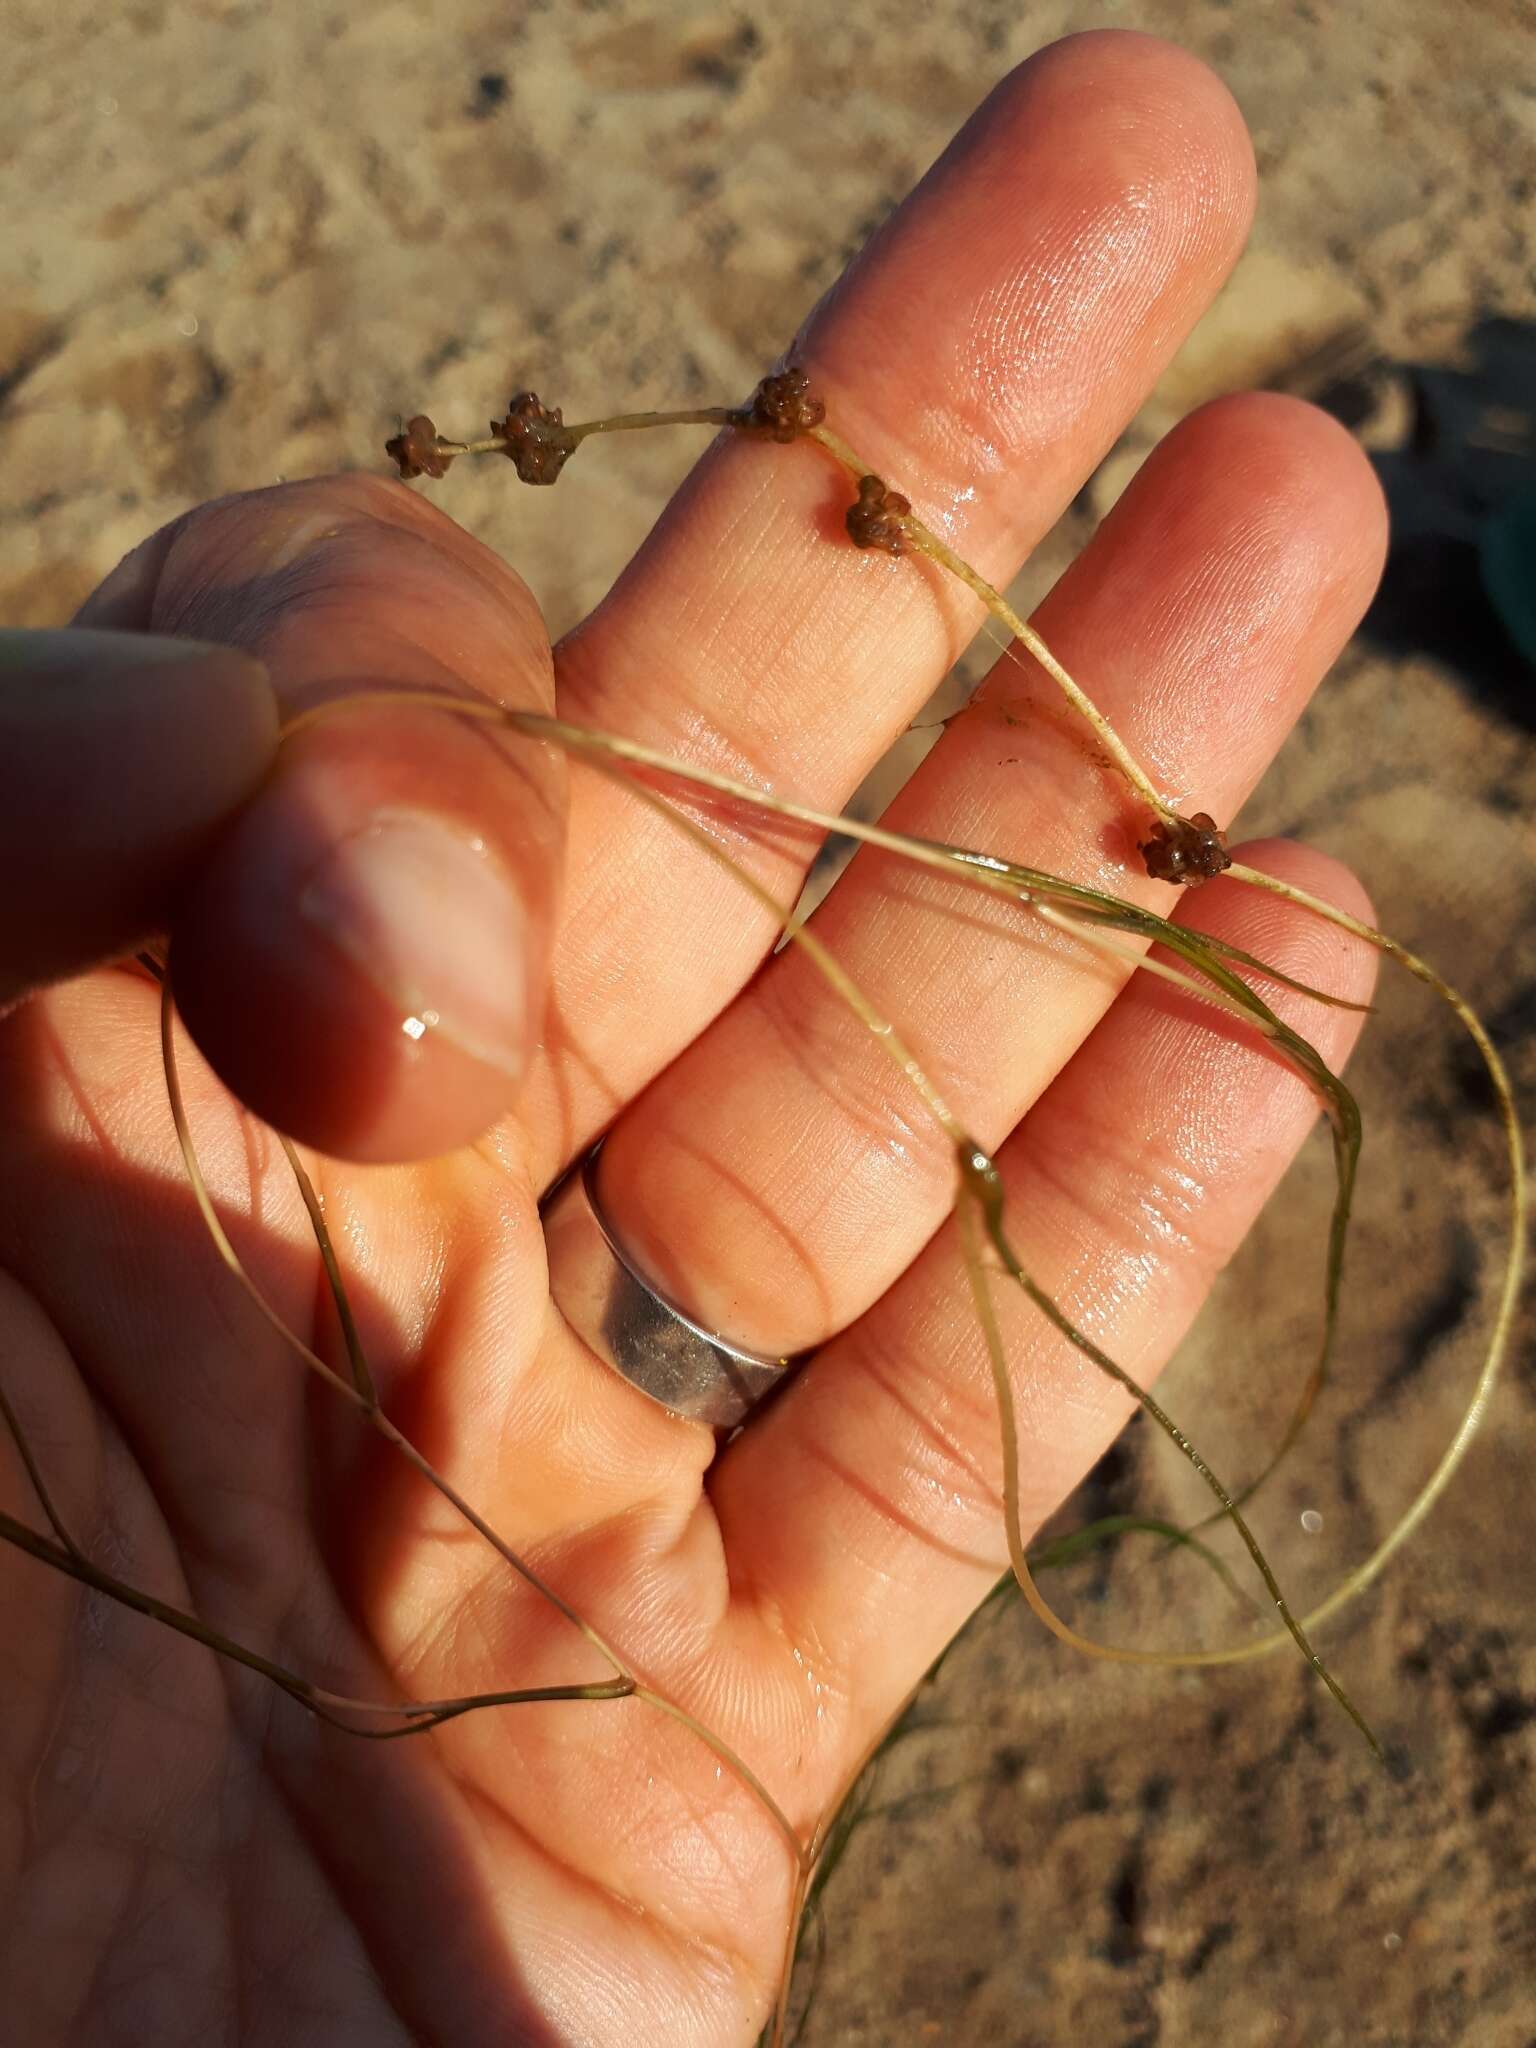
983,352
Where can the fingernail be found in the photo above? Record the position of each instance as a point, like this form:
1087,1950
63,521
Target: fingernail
431,917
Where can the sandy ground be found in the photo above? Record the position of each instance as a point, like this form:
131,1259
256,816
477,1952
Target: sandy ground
238,239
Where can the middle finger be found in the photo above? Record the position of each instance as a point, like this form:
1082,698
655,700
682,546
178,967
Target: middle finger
1206,609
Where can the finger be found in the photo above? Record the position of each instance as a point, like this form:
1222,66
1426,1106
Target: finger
983,352
121,759
362,957
864,1508
1203,613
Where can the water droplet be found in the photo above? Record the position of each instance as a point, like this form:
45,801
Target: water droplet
1391,1943
1311,1521
187,325
107,104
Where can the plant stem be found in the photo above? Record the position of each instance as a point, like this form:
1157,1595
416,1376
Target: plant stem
927,542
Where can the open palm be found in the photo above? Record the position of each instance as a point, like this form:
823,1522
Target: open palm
186,1855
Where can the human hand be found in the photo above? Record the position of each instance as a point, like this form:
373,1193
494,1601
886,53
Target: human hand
187,1852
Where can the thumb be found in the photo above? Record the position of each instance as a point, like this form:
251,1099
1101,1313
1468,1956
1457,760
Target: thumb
122,757
362,958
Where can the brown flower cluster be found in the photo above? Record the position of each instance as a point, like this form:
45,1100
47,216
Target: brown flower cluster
539,443
1187,850
783,406
416,451
874,519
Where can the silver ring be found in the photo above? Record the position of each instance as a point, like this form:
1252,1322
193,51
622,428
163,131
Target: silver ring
617,1313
